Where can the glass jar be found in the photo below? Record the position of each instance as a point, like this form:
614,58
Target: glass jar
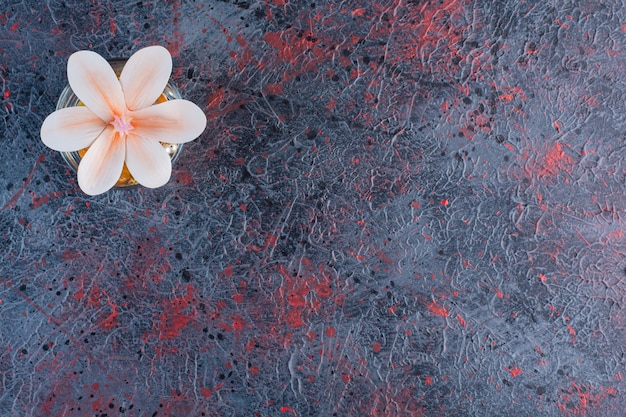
126,180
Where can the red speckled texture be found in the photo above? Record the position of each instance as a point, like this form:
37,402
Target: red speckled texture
398,208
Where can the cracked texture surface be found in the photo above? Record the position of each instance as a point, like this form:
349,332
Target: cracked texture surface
399,208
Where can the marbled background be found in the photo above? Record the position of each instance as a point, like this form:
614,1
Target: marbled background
398,208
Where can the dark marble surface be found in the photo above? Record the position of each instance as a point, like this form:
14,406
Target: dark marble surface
399,208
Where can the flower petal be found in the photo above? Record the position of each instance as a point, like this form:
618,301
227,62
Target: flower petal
71,129
94,82
102,165
175,121
145,76
147,161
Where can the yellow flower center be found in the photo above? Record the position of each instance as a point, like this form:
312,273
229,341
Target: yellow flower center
121,124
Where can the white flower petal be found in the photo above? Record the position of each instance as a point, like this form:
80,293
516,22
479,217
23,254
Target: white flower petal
71,129
175,121
94,82
145,76
147,161
102,165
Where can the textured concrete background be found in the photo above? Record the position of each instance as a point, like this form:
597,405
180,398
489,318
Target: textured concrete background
399,208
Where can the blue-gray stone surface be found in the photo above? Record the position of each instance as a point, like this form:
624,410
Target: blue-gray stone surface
398,208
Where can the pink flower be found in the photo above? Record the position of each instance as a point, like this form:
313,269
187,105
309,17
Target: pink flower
120,122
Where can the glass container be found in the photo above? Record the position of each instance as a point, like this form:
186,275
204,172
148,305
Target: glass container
126,180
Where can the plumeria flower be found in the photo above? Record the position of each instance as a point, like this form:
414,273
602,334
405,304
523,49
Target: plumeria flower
120,122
